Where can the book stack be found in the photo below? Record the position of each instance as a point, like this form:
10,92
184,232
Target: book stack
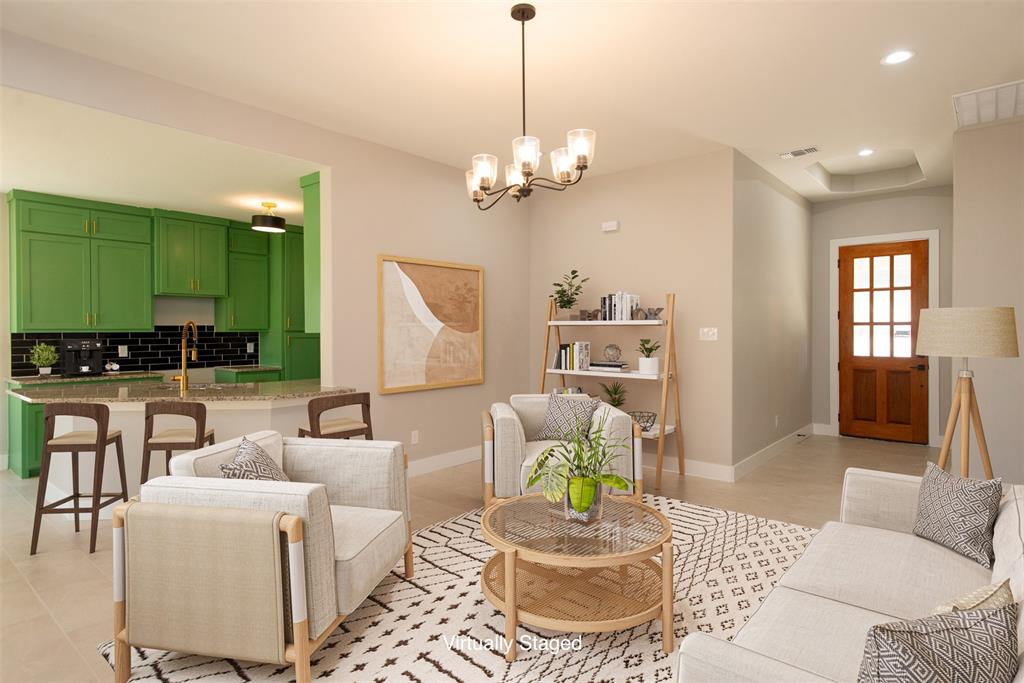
619,306
574,356
609,366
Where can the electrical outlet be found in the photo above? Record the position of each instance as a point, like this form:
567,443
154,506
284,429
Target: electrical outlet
414,438
709,334
250,347
610,226
122,351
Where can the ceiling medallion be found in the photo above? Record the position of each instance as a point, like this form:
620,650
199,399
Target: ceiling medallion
567,163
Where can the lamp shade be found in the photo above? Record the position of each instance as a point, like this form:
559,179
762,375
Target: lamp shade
968,332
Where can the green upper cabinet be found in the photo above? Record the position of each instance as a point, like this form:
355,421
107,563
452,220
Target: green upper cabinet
52,288
190,254
122,292
247,305
294,283
113,225
242,238
55,219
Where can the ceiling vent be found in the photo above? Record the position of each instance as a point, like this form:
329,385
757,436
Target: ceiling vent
794,153
997,103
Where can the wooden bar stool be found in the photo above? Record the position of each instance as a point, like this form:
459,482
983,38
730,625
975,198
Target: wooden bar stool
179,439
342,427
74,443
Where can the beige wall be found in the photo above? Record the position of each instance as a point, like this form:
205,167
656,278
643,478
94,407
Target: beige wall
675,236
908,211
771,309
988,270
381,200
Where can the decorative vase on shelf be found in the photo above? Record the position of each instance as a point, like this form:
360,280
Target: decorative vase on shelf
583,501
647,366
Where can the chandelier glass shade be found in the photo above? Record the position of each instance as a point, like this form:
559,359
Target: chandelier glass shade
523,174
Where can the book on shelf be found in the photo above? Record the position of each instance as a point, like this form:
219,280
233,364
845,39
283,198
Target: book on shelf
619,305
574,356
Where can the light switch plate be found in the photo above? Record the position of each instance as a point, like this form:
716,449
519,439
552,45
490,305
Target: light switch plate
709,334
122,351
250,347
609,226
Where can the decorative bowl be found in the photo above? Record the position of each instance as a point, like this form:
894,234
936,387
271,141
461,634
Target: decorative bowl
644,418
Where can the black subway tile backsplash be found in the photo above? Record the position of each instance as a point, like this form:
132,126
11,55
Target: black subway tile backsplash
147,351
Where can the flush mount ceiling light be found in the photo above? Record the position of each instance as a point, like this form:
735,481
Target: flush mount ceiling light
866,152
267,221
567,163
897,57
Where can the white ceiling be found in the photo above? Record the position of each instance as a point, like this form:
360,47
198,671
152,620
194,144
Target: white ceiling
657,80
61,148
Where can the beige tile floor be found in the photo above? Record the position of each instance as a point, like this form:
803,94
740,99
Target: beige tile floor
56,607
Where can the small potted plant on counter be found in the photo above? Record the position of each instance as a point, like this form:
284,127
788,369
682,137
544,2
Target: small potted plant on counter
568,291
43,356
647,364
575,470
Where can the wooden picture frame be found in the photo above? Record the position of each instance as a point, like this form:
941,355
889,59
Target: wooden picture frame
430,324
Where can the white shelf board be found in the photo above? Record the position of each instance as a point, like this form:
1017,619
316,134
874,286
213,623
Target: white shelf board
604,323
598,373
652,433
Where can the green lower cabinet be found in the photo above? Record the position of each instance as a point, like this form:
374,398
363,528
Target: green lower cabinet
53,284
301,356
247,305
122,286
234,377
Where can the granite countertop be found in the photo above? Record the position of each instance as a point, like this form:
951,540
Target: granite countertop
129,392
102,377
248,368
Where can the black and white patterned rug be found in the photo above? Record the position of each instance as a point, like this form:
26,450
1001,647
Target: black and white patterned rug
725,564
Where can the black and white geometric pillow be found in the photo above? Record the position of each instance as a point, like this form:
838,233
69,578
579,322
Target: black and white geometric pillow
986,597
252,462
566,416
958,513
958,647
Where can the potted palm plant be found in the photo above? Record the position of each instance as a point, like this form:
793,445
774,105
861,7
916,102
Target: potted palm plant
43,356
575,470
648,363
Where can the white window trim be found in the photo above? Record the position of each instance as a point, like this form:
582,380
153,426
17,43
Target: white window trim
932,236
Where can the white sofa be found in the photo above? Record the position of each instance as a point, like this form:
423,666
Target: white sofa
867,569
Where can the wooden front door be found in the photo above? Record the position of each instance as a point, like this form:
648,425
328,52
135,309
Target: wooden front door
883,386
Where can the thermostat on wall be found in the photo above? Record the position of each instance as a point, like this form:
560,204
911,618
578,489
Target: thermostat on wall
609,226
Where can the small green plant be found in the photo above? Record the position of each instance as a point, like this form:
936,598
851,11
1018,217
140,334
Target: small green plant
568,290
647,348
43,355
577,466
614,393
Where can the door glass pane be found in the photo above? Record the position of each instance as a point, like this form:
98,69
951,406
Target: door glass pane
901,341
862,307
862,340
901,270
881,312
881,341
901,306
881,278
861,273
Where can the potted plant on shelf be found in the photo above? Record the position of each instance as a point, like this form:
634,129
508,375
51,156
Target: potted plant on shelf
43,356
575,470
614,394
647,364
568,291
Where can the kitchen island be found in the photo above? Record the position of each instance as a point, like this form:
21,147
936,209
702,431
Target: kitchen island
231,410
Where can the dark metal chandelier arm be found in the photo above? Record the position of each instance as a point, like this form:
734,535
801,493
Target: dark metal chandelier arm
500,193
537,181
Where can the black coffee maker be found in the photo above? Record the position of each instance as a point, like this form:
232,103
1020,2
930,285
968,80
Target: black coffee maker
82,357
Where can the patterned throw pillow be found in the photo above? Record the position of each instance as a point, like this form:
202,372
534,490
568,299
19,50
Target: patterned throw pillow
252,462
988,597
567,415
958,513
959,647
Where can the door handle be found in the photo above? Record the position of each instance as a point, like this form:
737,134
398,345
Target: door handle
920,366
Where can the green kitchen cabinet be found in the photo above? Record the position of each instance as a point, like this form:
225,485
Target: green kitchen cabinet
301,356
190,254
114,225
222,376
51,283
122,290
56,219
294,283
310,185
247,305
242,238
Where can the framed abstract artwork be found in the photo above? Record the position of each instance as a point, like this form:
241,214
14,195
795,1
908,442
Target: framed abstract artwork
430,324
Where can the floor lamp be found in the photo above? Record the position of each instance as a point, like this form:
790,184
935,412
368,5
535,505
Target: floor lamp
966,333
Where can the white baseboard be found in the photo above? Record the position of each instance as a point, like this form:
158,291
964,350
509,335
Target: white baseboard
755,460
443,460
4,461
694,468
825,429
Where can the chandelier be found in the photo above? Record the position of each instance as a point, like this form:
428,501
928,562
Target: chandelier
567,163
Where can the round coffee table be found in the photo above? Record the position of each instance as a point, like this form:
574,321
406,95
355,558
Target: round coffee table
567,576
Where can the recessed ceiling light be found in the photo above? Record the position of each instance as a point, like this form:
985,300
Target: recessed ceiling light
866,152
897,57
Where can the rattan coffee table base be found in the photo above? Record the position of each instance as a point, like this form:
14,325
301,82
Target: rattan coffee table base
588,600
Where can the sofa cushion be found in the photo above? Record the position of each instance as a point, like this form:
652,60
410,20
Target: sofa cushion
533,451
884,571
252,462
958,513
206,462
987,597
367,544
813,633
968,646
567,416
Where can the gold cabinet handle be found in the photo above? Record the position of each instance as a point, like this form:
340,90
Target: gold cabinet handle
94,226
288,324
85,229
87,318
197,284
232,319
94,319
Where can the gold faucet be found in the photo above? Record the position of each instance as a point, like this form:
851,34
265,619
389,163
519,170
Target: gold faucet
183,377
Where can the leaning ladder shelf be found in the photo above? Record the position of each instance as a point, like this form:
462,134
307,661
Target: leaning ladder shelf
668,378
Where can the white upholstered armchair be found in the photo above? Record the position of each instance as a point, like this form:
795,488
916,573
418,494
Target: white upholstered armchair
258,570
510,444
